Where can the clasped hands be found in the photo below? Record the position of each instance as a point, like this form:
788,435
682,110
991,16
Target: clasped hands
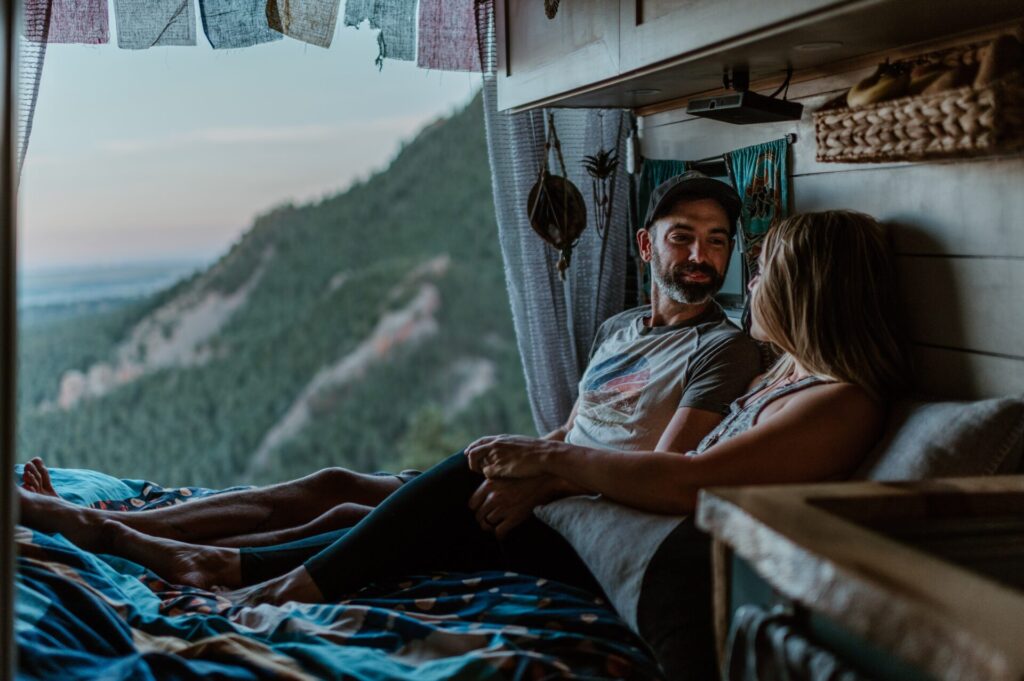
517,479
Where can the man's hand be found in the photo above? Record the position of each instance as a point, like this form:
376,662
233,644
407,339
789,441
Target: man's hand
501,505
510,456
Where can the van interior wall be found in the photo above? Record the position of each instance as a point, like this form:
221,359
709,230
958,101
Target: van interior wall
958,235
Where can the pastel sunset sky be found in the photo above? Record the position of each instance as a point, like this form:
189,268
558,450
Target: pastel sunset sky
169,153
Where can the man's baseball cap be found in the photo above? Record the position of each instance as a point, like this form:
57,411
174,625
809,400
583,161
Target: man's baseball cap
693,184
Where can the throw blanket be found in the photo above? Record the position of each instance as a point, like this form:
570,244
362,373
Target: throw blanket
84,616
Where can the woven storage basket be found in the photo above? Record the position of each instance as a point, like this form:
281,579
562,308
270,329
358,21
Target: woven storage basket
959,122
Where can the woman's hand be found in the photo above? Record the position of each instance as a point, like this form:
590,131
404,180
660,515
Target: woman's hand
510,456
501,505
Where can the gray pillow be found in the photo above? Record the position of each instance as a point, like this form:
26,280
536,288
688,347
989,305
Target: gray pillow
947,439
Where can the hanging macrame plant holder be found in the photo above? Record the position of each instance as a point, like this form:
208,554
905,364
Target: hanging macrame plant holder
556,207
551,8
601,167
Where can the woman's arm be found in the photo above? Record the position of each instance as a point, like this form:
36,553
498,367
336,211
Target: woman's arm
819,433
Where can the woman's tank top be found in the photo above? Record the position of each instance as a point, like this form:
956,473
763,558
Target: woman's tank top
742,418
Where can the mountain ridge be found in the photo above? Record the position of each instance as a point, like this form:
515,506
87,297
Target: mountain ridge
200,387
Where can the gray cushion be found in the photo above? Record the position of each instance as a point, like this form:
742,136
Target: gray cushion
947,439
615,541
655,570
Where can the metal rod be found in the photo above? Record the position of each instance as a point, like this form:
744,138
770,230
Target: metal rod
790,137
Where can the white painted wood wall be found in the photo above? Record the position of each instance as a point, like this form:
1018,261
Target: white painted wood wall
958,233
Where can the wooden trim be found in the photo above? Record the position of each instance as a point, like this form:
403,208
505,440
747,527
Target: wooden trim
8,337
721,570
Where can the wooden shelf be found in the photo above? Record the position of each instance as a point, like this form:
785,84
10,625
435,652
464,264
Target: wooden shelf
639,55
841,551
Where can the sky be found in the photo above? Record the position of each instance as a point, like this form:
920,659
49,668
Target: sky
169,153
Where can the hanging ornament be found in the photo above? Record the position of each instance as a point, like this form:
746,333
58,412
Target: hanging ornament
556,207
551,8
601,166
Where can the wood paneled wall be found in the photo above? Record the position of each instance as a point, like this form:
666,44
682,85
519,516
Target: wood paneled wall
958,230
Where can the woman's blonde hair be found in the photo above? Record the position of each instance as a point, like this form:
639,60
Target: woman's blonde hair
828,299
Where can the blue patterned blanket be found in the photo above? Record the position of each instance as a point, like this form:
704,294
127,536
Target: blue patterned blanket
86,616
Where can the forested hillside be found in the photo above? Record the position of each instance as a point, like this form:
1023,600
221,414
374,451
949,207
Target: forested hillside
370,329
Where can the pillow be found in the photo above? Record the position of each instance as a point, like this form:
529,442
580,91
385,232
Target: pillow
655,570
84,487
946,439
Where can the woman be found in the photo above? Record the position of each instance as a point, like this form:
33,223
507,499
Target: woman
825,298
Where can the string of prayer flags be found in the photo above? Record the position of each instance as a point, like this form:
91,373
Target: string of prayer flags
83,22
311,21
236,23
142,24
447,36
396,21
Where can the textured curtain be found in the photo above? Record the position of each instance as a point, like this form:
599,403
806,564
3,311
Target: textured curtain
555,321
35,33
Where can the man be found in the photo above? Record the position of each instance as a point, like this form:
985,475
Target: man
660,377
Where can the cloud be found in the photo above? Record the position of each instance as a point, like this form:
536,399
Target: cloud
280,134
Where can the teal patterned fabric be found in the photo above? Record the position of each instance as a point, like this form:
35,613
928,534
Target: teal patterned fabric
653,173
761,176
80,615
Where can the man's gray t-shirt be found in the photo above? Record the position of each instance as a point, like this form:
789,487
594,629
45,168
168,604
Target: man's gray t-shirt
638,377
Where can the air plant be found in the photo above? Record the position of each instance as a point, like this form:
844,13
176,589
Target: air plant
601,167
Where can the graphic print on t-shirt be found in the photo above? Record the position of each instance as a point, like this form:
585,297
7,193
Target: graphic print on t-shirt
617,383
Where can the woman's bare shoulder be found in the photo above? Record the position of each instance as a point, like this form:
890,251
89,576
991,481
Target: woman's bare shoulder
848,399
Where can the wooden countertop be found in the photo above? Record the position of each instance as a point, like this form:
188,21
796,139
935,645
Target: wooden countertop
814,544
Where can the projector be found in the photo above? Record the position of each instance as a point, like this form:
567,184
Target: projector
742,108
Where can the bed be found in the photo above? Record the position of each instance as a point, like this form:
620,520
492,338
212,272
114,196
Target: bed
86,616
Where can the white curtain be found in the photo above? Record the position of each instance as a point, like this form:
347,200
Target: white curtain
555,321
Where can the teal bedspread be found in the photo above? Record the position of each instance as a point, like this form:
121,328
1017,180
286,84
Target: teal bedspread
86,616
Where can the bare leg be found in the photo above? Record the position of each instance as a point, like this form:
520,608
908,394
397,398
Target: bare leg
175,561
339,517
89,529
84,527
256,513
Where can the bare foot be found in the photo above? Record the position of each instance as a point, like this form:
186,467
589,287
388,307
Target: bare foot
29,479
176,562
51,514
36,478
296,585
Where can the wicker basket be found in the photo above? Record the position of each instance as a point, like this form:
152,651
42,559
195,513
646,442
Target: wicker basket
957,122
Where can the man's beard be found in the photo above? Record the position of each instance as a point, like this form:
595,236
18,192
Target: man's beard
671,281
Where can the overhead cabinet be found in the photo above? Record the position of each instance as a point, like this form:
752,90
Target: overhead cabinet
637,53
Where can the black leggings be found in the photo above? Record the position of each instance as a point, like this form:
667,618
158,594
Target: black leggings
424,526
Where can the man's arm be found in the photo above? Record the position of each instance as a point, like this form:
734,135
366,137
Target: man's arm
820,433
687,428
563,430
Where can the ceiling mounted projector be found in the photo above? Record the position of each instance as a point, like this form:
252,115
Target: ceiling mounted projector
743,108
